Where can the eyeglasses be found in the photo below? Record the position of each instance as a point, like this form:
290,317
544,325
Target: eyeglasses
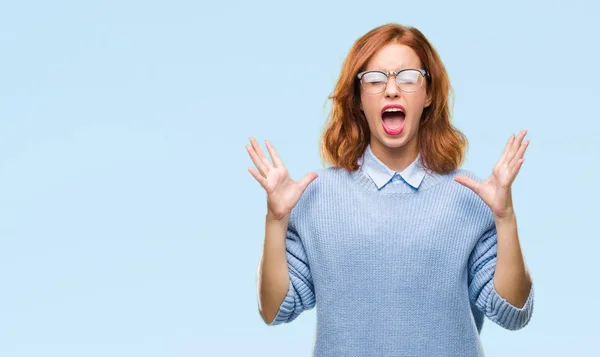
408,80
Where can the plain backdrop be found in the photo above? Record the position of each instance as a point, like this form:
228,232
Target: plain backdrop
129,225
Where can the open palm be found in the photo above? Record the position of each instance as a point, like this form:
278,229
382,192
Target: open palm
282,192
495,191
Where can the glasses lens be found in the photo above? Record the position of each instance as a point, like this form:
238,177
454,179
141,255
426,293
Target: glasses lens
409,80
373,82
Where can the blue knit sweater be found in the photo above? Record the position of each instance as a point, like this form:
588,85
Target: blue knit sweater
396,271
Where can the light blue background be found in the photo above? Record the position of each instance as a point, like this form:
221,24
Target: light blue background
129,225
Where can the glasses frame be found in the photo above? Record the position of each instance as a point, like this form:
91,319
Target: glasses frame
423,72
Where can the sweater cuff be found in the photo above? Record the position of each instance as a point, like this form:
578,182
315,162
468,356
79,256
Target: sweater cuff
287,307
504,313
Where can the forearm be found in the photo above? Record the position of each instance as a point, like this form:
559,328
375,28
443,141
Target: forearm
273,275
511,278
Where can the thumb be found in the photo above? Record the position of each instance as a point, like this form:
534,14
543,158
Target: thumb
307,179
468,182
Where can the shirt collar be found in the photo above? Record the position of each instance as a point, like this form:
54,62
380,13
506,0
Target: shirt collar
382,175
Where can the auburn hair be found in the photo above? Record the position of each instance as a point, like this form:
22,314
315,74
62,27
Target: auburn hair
346,133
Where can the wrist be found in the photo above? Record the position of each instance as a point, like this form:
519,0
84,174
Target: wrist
277,219
505,218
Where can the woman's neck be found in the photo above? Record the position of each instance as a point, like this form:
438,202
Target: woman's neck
397,159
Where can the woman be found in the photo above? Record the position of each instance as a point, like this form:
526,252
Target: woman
404,252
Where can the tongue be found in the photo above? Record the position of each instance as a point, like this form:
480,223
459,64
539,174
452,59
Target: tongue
393,122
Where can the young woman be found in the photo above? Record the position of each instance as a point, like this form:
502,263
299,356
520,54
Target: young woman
403,252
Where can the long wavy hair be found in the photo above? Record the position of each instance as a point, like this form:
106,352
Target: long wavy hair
346,133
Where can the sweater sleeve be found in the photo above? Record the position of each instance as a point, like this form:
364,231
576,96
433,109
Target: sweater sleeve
300,295
483,294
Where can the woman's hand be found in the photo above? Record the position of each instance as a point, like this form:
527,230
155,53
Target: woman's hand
496,190
282,192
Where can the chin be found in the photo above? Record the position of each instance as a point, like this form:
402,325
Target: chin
392,142
395,141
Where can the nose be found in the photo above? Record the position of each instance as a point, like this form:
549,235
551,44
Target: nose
391,89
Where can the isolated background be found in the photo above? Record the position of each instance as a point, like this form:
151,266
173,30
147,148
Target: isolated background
129,225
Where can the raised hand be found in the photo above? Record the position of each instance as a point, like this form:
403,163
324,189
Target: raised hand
282,192
496,190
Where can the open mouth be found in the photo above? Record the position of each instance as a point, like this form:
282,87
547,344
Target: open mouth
393,120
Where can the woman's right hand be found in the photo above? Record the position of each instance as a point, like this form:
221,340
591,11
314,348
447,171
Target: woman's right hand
282,192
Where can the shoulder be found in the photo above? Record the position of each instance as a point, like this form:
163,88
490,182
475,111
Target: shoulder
467,200
330,182
328,178
464,172
332,172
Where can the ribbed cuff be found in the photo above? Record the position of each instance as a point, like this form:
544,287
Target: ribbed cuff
504,313
287,307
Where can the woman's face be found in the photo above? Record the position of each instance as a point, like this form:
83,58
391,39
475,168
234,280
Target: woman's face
396,128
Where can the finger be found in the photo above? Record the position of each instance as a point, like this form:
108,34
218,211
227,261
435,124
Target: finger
515,170
307,179
260,165
519,165
276,160
519,140
468,182
515,146
261,154
519,154
506,150
258,177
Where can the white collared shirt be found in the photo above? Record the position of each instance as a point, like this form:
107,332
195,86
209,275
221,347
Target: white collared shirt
382,175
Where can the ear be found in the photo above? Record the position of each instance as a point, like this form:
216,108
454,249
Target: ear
428,100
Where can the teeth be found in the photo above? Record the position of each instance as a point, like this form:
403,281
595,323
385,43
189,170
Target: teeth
393,110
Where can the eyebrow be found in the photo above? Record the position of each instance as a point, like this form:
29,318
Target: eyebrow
383,70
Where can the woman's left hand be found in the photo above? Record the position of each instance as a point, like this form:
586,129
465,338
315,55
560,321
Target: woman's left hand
496,190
